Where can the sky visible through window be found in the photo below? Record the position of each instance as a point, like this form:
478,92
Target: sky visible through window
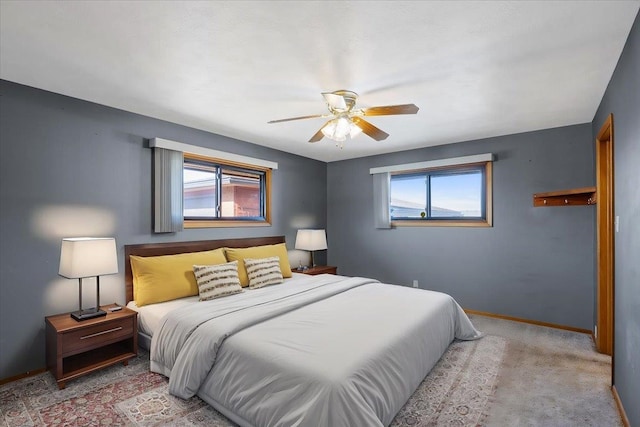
191,175
458,192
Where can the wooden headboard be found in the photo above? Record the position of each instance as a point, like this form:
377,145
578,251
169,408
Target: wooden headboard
171,248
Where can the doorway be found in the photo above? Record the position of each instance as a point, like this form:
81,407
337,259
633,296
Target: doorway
604,239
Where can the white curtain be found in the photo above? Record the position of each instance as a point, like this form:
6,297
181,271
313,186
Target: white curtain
381,200
168,187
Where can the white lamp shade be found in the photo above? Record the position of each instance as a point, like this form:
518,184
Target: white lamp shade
88,257
311,240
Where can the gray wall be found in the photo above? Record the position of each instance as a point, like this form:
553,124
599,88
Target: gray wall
534,263
622,98
72,168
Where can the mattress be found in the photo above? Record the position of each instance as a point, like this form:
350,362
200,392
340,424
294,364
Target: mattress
149,316
318,350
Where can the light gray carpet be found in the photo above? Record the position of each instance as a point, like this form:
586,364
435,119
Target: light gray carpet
549,377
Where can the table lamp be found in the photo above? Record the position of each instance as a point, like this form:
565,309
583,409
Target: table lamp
311,240
82,257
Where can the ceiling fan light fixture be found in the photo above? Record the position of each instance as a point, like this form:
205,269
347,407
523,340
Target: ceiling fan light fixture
338,129
329,130
343,126
355,130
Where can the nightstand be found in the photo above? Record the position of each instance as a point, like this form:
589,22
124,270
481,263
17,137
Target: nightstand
319,269
78,348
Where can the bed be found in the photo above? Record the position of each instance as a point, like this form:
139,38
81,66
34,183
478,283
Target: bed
313,351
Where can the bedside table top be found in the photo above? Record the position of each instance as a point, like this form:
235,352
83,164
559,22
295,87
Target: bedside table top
64,322
318,269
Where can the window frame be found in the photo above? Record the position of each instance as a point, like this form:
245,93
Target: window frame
262,221
487,200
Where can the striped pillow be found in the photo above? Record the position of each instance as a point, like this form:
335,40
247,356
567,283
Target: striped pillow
215,281
263,271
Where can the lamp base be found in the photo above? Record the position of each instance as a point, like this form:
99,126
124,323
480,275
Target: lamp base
89,313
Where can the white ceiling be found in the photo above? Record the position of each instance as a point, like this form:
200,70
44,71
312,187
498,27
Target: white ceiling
475,69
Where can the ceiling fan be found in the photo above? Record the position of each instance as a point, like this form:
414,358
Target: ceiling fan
346,120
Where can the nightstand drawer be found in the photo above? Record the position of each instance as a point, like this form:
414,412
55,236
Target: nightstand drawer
96,336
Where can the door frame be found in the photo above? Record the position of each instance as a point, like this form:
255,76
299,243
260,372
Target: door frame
605,239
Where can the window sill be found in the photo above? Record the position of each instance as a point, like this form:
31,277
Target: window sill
440,223
225,224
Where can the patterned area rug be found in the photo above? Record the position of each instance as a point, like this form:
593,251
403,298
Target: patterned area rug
457,392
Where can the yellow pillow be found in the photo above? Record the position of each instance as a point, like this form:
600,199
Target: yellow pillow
239,254
168,277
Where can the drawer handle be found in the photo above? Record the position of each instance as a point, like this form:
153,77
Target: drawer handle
101,333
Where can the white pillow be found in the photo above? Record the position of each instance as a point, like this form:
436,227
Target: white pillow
263,271
215,281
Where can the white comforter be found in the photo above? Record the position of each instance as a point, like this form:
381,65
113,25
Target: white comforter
319,351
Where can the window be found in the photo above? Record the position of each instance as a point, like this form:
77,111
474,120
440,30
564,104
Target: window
445,196
221,194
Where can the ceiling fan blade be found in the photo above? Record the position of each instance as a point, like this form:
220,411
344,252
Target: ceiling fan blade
315,116
389,110
336,102
370,129
318,135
